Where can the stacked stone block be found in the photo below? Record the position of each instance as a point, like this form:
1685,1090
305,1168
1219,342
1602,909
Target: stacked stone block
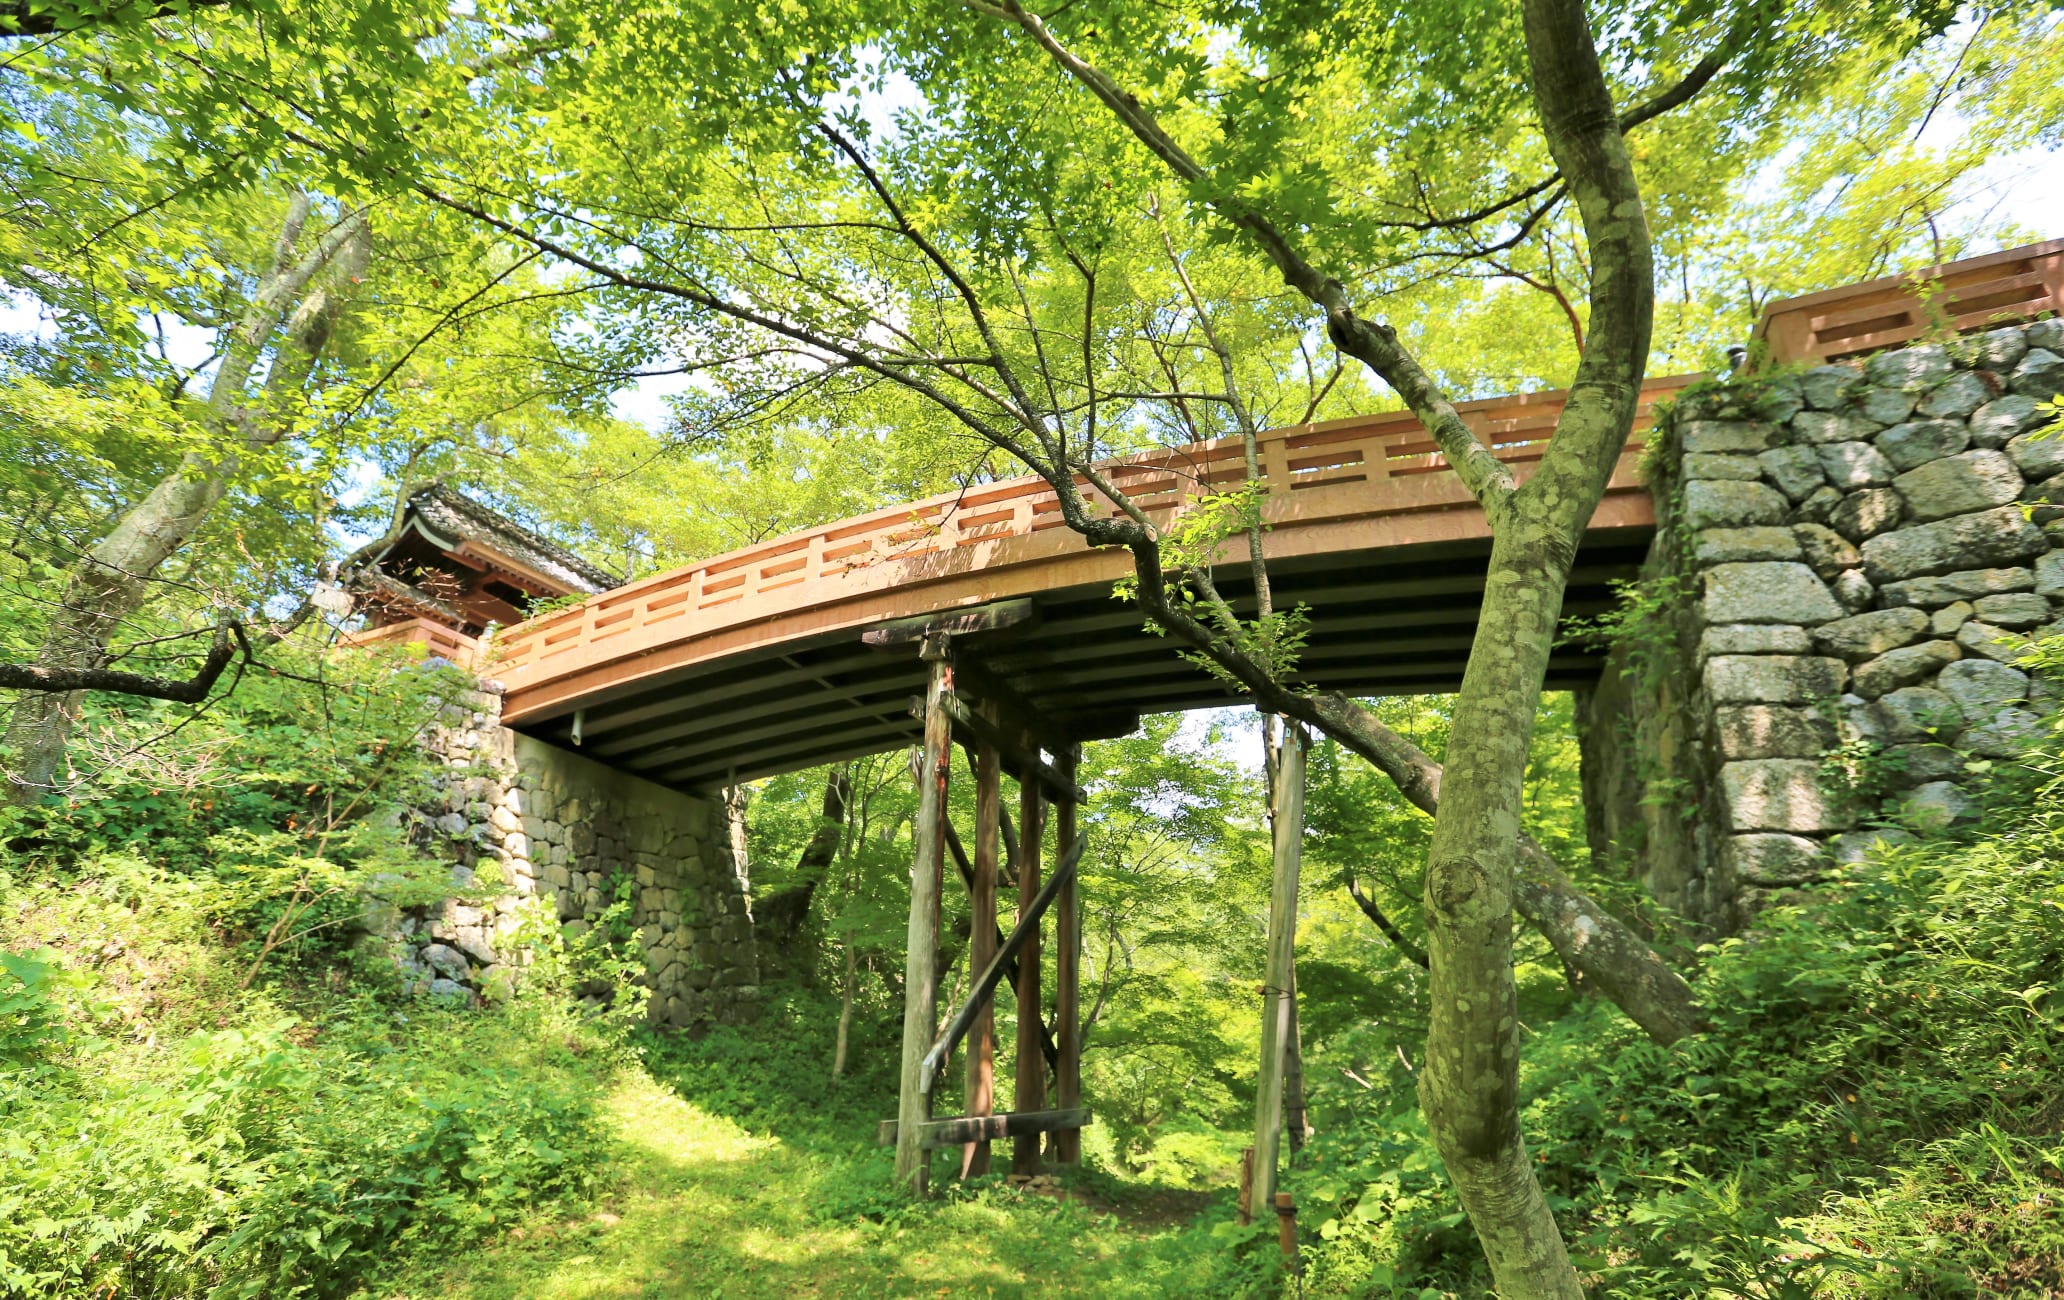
588,833
569,836
462,948
1865,552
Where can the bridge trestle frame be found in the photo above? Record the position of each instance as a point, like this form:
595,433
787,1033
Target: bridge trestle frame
998,737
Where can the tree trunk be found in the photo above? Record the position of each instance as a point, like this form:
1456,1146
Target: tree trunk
845,1015
1614,959
737,827
782,919
112,582
1469,1086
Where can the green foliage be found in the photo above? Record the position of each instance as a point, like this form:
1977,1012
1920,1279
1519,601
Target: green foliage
145,1151
430,1155
1642,624
156,1149
604,965
166,1128
297,798
31,1015
1871,1113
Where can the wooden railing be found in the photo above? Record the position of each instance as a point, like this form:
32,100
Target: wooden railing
1384,460
436,638
1972,294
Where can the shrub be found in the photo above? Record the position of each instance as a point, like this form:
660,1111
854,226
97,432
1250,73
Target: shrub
147,1150
238,1163
1874,1110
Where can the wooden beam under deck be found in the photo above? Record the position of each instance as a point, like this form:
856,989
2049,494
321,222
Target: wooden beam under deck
954,1130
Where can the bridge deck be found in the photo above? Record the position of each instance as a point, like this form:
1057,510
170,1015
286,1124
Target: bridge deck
751,663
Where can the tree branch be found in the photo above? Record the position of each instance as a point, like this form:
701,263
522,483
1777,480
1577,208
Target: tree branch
1694,81
1373,343
26,18
1413,951
56,681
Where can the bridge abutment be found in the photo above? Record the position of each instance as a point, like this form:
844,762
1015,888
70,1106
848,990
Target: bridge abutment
1831,640
568,841
600,839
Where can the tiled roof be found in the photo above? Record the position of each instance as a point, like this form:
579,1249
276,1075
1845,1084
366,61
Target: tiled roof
459,518
384,592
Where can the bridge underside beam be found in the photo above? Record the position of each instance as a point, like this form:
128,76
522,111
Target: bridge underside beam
1392,622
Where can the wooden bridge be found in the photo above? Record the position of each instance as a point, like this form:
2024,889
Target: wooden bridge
752,663
810,648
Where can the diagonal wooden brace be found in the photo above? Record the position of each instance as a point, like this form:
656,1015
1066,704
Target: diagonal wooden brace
1048,1048
985,986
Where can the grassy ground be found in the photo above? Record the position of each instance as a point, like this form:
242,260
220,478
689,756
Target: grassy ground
165,1131
708,1209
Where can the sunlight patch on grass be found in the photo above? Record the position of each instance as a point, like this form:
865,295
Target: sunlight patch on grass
656,1120
704,1208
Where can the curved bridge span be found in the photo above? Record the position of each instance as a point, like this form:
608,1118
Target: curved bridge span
752,663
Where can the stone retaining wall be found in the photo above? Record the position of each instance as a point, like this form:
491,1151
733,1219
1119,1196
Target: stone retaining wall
550,835
1851,565
591,834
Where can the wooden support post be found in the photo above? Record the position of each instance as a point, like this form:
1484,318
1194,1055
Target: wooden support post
921,949
1068,973
1276,991
1286,1230
1023,759
979,1094
1296,1115
1010,965
1027,928
1027,1062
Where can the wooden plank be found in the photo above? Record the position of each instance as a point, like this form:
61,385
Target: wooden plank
1022,944
982,618
1053,728
1010,968
1825,325
954,1130
978,1092
1900,281
1054,662
808,714
1020,758
1068,840
808,748
1029,1071
921,962
1282,940
636,711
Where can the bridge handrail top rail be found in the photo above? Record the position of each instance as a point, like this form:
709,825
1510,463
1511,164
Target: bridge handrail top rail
1396,426
1965,266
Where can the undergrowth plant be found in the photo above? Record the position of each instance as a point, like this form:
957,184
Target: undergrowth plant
1874,1111
209,1084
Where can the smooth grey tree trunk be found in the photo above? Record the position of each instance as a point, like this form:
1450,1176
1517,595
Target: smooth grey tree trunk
111,583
